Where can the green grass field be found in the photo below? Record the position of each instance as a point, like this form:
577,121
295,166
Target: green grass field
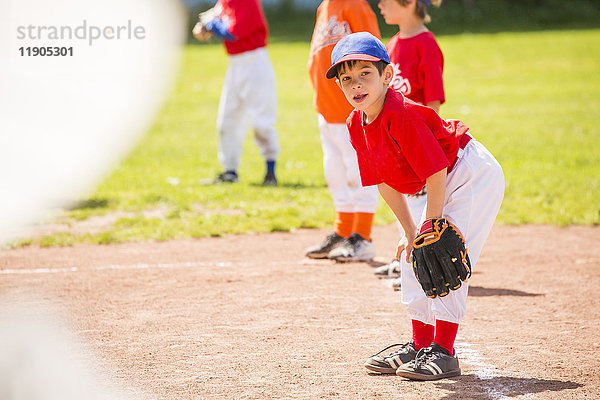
532,98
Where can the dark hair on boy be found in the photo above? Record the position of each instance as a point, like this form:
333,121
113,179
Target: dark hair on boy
380,65
421,8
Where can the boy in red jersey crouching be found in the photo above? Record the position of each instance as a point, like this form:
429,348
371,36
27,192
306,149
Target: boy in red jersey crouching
401,146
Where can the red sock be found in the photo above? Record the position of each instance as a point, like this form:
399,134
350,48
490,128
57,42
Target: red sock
445,334
422,334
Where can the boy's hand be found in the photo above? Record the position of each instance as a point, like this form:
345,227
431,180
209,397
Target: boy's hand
406,244
200,33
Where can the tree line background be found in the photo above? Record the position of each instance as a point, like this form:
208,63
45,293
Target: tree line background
288,21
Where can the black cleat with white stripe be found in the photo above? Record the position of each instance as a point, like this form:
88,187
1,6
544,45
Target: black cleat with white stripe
431,363
321,250
388,364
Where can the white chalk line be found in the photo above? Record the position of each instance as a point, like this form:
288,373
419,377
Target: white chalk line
218,264
472,357
483,370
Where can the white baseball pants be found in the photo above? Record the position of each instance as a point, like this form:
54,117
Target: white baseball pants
416,205
474,192
340,166
248,97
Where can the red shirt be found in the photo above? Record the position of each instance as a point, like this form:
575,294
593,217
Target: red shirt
418,65
247,24
405,144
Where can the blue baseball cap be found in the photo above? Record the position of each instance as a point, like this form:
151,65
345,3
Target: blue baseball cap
360,46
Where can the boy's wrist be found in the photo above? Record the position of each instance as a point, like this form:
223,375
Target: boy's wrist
412,228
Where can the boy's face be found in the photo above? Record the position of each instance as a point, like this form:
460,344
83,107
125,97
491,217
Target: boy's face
364,87
392,11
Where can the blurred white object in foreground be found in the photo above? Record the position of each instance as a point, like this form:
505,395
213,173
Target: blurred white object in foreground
41,360
67,119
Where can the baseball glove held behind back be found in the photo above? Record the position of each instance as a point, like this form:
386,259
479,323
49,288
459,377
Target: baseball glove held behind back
440,259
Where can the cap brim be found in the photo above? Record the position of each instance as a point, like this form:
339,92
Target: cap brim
350,57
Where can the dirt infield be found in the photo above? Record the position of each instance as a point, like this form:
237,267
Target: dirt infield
246,317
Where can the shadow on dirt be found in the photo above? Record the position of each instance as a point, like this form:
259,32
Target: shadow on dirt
479,291
376,263
499,387
91,203
294,185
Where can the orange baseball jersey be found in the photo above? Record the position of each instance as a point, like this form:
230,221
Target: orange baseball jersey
335,19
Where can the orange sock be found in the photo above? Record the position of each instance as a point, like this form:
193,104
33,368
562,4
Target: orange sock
343,223
363,222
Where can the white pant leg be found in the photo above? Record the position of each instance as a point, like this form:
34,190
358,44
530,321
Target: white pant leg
249,95
474,193
231,122
259,95
340,166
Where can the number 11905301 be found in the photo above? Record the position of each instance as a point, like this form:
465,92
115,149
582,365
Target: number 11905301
48,51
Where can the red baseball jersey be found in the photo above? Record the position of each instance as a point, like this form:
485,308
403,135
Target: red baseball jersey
405,144
418,65
247,23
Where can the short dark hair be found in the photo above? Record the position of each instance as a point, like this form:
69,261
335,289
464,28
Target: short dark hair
421,8
380,65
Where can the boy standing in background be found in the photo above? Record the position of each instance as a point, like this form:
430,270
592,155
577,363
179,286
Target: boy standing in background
355,205
249,92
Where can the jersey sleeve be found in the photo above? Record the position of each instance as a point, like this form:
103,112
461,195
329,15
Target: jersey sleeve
419,145
361,18
431,68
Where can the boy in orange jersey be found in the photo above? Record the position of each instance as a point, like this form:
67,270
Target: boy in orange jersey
355,205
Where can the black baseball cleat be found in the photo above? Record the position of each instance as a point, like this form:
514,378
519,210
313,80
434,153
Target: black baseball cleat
270,179
224,177
227,177
322,249
430,364
355,248
391,270
390,363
